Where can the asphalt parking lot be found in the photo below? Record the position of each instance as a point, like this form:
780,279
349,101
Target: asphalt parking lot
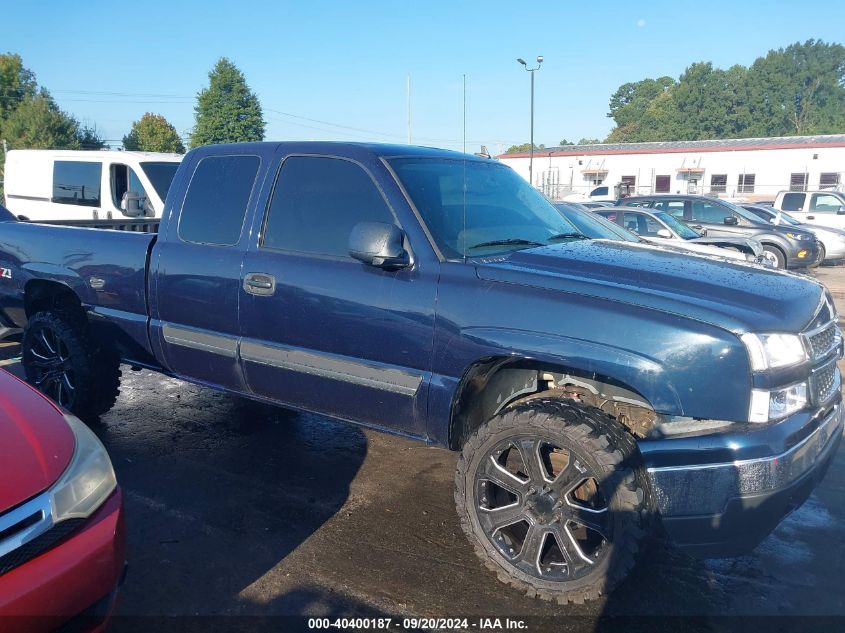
237,509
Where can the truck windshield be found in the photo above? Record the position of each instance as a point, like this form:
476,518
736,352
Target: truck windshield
478,208
160,175
676,225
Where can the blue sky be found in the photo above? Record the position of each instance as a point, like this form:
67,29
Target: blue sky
337,70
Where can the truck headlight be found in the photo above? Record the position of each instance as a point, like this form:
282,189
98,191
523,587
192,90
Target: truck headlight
88,480
769,351
767,406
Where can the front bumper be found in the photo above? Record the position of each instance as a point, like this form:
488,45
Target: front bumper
80,572
725,507
800,254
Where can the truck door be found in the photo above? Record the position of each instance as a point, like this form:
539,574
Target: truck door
826,209
197,271
321,330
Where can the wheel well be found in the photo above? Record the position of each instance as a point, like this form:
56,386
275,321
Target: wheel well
49,295
493,384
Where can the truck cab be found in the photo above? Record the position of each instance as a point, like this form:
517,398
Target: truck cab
59,185
823,208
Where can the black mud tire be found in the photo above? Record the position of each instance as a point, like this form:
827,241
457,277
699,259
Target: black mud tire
601,444
94,372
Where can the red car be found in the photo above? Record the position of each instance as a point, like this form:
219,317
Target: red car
62,537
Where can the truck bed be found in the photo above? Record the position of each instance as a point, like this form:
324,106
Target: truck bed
105,268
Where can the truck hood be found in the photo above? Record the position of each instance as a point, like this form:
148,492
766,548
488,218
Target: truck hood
733,295
36,444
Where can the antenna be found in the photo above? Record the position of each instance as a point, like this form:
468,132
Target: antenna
409,108
465,113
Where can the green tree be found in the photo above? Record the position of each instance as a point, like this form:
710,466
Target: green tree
39,123
227,111
588,141
799,90
153,133
525,147
16,84
796,90
629,104
565,142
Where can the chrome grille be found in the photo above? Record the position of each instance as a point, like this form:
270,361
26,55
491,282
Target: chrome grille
24,523
822,341
824,383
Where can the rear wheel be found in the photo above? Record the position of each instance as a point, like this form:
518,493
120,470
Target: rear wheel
774,255
61,361
554,499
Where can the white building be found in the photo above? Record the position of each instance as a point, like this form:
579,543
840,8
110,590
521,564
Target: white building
749,169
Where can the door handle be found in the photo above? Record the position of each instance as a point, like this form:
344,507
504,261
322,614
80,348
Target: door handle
811,217
260,284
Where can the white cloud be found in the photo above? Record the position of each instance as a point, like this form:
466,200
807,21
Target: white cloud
641,23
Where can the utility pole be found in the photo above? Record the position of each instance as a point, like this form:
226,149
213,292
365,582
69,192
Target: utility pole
531,147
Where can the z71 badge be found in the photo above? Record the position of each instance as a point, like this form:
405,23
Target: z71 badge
5,273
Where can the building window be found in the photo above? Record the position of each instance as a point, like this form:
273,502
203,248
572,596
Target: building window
718,183
829,180
798,182
746,183
597,180
628,186
662,184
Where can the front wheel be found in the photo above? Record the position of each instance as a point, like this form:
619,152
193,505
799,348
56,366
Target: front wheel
774,255
554,498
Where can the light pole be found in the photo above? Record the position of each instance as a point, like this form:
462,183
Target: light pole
531,147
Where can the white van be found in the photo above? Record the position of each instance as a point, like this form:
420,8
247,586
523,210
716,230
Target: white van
43,184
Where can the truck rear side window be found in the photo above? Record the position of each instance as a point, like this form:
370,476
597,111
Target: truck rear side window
217,199
317,201
792,201
77,182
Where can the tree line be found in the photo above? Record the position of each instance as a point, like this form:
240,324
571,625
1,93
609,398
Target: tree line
226,111
797,90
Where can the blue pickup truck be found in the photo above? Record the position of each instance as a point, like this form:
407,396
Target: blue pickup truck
599,391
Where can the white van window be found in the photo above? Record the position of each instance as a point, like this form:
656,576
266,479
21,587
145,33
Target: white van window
123,179
160,175
77,182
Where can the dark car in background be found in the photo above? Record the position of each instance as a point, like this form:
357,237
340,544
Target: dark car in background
831,240
786,247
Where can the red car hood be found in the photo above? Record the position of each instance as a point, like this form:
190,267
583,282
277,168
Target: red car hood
36,444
